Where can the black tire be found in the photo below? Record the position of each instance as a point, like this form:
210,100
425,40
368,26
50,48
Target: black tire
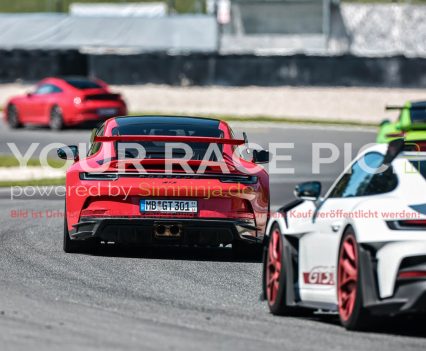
56,118
13,117
277,299
76,246
358,318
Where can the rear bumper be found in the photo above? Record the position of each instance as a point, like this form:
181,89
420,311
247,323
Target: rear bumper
409,296
194,231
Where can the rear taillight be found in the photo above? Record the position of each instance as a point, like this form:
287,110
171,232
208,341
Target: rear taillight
98,176
412,275
411,224
414,223
243,179
395,135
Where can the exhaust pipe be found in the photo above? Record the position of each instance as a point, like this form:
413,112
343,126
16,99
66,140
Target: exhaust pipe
167,230
160,229
175,230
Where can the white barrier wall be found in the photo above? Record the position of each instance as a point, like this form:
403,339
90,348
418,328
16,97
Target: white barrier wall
149,9
187,33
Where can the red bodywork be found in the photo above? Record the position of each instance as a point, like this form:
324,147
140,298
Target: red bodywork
112,206
77,106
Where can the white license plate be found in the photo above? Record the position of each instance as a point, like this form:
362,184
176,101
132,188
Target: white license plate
168,206
107,112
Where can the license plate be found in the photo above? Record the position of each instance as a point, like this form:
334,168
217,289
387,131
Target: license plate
107,112
168,206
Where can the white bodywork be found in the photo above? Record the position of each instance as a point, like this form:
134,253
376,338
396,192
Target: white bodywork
319,239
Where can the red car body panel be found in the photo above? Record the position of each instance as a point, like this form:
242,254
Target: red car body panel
228,202
77,105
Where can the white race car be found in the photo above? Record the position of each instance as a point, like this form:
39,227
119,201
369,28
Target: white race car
361,249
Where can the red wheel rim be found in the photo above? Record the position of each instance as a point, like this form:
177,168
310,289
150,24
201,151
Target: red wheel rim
273,268
347,277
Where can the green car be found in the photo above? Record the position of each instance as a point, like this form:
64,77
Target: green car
410,125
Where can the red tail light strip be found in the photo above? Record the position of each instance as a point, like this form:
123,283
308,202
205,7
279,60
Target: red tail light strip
412,275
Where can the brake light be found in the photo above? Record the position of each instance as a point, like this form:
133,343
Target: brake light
414,223
411,224
395,135
98,176
412,275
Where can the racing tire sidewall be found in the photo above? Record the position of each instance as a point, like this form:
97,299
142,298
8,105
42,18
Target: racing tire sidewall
13,117
56,119
279,306
359,319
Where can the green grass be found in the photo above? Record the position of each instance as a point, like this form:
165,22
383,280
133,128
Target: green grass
35,182
11,161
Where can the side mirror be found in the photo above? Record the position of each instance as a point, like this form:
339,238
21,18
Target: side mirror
261,156
68,153
308,191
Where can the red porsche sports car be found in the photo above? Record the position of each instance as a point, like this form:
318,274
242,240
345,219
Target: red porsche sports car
160,180
62,102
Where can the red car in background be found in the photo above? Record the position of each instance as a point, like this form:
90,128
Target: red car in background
63,102
217,201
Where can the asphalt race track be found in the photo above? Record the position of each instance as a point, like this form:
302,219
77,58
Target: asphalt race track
174,299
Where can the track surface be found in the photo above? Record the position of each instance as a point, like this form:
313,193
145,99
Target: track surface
177,299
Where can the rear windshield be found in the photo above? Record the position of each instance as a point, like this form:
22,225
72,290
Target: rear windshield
418,115
83,84
420,166
157,149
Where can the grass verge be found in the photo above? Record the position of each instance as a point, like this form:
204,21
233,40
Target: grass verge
7,161
35,182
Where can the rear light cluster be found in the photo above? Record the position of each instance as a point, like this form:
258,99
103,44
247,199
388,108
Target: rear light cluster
412,275
97,97
242,179
98,176
103,97
396,135
412,268
412,224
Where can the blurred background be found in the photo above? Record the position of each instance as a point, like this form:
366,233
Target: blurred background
312,59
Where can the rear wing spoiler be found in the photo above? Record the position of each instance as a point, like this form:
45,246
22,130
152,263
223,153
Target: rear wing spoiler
399,108
168,138
397,146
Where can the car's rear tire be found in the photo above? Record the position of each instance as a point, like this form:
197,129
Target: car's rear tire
13,117
56,118
76,246
353,315
275,277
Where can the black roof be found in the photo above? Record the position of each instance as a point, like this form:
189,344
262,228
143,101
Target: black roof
176,120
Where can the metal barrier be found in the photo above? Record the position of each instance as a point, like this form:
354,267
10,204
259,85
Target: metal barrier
213,69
